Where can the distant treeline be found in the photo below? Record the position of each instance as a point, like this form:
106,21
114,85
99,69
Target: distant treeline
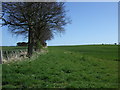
22,44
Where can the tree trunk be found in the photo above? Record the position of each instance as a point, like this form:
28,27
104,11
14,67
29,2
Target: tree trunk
30,43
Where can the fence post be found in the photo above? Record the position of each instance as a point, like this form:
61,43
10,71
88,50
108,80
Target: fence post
0,56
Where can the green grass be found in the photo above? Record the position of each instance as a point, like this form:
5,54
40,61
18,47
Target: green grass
0,76
6,48
100,51
87,66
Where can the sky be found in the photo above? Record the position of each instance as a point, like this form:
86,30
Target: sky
92,23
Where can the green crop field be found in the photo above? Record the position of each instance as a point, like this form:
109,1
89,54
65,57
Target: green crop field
84,66
6,48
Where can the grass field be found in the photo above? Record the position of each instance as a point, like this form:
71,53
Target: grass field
85,66
13,48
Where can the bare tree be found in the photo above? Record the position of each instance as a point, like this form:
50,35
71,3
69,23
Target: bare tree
36,20
18,17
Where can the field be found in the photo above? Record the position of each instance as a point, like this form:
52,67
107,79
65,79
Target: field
5,48
84,66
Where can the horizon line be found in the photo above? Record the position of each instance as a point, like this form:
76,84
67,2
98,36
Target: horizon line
70,44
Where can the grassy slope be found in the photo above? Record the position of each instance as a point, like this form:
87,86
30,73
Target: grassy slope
65,66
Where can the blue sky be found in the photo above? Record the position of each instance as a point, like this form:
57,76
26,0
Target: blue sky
92,23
